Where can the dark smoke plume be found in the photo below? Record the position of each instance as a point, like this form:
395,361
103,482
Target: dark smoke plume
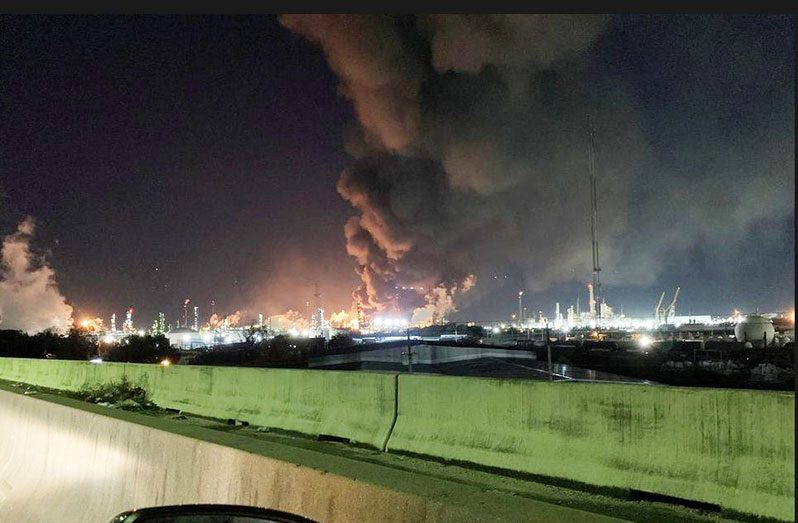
473,153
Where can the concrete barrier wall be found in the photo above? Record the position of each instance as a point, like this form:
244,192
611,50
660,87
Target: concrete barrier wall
72,466
358,407
58,374
734,448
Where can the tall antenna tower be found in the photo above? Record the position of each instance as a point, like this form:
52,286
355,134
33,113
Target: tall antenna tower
594,220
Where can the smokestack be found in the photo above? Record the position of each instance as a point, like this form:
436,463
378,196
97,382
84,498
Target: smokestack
196,318
591,299
127,327
113,322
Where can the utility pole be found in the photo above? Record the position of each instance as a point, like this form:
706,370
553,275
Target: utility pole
520,309
548,351
409,353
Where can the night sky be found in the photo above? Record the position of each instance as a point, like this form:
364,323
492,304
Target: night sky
173,157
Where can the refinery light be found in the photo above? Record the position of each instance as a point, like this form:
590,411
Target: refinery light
391,322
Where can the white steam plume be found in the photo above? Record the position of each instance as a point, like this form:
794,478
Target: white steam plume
29,297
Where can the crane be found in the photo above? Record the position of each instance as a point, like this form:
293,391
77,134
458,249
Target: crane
671,309
657,311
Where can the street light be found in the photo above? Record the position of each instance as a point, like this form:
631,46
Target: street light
520,310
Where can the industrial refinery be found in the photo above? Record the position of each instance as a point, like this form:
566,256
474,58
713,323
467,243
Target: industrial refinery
596,321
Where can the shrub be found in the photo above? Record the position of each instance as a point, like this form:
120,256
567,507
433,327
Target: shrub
121,394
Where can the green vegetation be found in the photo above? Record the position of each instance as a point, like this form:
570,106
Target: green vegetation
80,345
47,344
118,394
340,341
140,349
279,351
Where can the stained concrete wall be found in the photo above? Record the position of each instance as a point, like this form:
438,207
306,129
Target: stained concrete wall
358,407
65,464
734,448
342,404
729,447
58,374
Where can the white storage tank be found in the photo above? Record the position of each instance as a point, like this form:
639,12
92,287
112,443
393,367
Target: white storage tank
184,338
753,329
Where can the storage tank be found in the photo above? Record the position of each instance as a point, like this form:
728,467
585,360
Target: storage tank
753,329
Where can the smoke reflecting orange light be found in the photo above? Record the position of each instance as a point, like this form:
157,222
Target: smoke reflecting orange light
93,325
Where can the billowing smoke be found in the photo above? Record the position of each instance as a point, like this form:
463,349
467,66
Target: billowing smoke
452,173
93,325
472,157
29,297
218,321
343,320
289,320
441,302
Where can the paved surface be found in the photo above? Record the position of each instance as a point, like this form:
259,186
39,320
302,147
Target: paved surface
480,365
529,369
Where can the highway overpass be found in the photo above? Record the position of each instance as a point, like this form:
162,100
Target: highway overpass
405,448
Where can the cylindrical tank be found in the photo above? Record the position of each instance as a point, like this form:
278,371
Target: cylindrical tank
753,329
